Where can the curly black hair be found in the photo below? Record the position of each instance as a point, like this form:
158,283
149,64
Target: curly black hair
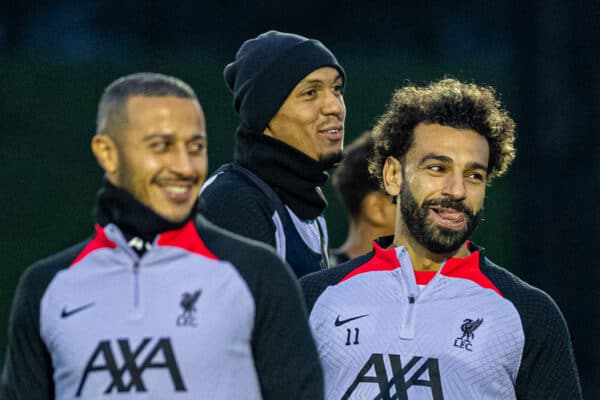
447,102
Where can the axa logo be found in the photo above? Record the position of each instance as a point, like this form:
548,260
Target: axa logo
468,327
188,303
155,354
393,384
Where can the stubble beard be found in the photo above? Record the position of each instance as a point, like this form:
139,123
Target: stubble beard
135,184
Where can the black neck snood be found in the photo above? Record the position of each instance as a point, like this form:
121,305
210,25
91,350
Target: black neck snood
294,176
117,206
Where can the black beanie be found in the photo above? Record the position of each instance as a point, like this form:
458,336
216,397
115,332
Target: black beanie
267,68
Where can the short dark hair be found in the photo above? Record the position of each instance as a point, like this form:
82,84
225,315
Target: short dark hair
351,178
111,109
446,102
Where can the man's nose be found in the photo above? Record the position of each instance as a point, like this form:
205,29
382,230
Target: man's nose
454,186
181,162
334,104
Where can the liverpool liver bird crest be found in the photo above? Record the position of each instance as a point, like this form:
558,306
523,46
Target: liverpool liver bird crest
188,303
468,327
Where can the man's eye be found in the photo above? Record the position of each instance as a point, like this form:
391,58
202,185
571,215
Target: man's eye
159,146
436,168
476,176
339,89
309,93
197,147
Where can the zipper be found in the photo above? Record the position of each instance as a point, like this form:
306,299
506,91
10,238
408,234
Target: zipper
407,330
409,290
412,293
136,285
116,235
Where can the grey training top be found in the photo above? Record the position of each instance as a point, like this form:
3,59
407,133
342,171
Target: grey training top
203,314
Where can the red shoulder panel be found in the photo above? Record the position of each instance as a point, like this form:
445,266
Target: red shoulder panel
468,268
186,238
382,260
100,241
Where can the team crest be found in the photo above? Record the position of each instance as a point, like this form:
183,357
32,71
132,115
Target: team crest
188,303
468,327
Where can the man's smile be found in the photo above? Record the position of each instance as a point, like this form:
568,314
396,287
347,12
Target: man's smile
448,217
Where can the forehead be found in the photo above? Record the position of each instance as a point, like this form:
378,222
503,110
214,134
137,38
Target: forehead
461,145
324,75
164,112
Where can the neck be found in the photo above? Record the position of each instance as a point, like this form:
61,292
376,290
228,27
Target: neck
422,259
360,238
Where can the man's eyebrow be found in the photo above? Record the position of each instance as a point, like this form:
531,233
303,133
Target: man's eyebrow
476,165
162,135
157,135
320,81
199,134
434,156
446,159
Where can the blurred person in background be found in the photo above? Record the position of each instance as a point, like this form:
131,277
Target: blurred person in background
371,213
159,303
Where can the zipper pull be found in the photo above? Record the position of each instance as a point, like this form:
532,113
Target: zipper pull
407,329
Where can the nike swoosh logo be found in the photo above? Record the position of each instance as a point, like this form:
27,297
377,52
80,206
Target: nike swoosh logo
67,313
340,322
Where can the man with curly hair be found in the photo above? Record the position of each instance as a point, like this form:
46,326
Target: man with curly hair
427,315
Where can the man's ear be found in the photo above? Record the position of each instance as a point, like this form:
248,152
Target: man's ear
105,151
375,209
392,176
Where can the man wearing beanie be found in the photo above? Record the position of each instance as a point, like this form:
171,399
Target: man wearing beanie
288,92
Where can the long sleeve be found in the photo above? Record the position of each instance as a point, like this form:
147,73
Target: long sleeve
548,369
285,354
27,370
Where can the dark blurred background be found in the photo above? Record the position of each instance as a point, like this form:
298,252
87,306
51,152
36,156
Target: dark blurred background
56,57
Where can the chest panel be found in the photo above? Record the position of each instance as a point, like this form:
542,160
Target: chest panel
463,341
148,328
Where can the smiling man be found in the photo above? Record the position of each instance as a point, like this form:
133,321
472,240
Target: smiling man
427,315
157,153
158,304
288,92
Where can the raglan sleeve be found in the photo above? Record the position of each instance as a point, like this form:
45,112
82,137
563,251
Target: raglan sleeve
286,358
27,372
548,370
312,287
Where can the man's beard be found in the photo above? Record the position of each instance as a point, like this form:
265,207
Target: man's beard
433,237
